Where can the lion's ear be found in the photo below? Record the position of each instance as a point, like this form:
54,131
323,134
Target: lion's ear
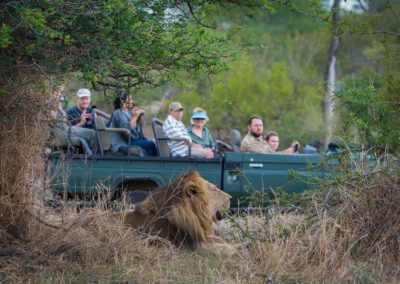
192,191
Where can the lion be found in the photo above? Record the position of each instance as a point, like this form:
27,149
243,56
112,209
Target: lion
182,211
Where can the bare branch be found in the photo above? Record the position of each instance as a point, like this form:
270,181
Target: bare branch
197,20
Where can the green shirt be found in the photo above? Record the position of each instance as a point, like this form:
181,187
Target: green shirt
205,141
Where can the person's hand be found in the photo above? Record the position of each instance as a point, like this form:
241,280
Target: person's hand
209,153
83,117
137,112
295,146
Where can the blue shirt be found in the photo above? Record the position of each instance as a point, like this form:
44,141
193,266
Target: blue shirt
74,116
121,119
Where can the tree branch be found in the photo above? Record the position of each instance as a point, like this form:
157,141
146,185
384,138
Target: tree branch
197,20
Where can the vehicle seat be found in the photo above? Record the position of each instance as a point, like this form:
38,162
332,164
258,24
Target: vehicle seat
102,135
159,137
101,120
235,139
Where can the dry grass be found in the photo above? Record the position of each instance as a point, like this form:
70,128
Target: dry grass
349,234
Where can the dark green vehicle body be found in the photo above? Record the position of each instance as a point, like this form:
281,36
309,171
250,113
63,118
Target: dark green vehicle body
236,173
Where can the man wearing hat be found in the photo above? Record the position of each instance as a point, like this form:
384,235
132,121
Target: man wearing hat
174,128
81,114
80,118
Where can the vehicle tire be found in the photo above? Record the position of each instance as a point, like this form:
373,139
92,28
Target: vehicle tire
136,196
133,192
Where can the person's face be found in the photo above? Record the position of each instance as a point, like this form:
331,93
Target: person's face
273,142
128,102
177,114
83,102
256,127
199,122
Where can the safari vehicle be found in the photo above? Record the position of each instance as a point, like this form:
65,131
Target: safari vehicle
133,175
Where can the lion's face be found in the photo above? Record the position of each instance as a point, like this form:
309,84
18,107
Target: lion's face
221,201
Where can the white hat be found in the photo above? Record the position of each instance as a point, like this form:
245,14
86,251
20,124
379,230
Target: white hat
83,93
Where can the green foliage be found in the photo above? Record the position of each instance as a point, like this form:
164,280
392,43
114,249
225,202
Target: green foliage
366,109
113,43
368,99
5,36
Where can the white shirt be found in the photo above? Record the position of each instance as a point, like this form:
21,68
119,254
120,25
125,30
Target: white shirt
176,129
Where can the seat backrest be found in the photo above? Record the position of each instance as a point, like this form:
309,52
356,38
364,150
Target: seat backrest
100,128
235,139
159,137
104,115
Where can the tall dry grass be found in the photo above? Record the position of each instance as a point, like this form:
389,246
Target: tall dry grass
350,233
23,133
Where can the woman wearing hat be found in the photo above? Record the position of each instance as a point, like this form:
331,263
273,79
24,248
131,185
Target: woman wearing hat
200,134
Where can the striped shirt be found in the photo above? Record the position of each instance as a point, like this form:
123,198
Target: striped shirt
176,129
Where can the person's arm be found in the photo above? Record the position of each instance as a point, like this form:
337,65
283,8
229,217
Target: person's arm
70,117
82,120
244,147
75,119
136,113
176,131
292,149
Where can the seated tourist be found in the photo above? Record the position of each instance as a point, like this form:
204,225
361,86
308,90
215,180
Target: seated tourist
174,128
253,141
128,116
62,131
272,139
197,131
81,119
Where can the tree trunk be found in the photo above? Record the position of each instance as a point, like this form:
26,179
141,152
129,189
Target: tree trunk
331,72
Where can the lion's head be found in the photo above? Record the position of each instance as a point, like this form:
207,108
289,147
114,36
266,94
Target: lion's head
182,211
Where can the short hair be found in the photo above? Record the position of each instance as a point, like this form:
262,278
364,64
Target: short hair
270,134
253,117
198,109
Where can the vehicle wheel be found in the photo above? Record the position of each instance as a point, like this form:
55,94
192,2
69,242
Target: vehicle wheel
133,192
136,196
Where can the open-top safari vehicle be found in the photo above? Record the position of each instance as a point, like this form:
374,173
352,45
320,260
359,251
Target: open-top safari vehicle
74,173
